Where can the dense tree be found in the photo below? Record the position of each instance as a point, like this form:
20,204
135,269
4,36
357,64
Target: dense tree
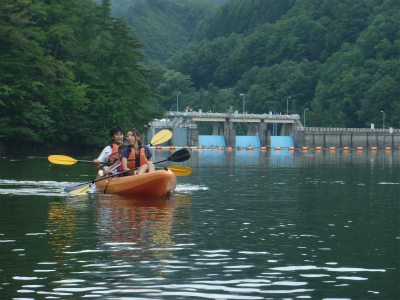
165,26
363,79
32,79
348,47
238,16
172,84
69,71
268,88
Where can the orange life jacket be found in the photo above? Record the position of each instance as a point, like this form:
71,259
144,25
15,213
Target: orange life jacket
132,158
114,153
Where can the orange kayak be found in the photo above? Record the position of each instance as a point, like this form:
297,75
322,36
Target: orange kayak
155,184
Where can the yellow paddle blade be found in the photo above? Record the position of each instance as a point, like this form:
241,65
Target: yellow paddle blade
161,137
181,171
62,160
80,190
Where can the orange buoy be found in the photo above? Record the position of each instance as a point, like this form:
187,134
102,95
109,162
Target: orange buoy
158,147
305,148
172,148
374,148
199,147
318,148
277,148
186,147
249,148
239,148
229,148
263,148
388,148
332,148
291,148
360,148
346,148
219,148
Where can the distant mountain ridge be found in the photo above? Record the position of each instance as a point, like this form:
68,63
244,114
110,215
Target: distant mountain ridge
163,26
338,58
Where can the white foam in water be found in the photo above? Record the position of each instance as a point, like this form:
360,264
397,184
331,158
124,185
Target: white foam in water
30,187
55,188
189,188
338,269
25,278
351,278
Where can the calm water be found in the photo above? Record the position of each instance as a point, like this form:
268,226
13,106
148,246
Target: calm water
244,225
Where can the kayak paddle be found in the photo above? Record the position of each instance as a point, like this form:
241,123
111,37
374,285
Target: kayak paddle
178,156
66,160
158,138
180,171
82,190
161,137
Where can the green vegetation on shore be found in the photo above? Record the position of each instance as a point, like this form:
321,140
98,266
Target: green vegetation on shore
69,70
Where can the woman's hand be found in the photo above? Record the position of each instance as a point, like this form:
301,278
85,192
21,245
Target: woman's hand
96,163
151,167
106,170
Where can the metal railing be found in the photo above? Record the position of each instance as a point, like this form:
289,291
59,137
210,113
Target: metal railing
170,114
336,129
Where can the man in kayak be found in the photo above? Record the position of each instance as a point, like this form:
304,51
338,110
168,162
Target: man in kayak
136,155
110,152
116,167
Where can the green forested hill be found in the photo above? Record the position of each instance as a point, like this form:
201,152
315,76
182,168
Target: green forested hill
69,70
164,27
339,58
238,16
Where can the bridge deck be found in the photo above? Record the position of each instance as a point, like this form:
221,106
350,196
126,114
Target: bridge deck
233,117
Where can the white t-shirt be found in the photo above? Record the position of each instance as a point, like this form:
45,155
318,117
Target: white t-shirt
105,154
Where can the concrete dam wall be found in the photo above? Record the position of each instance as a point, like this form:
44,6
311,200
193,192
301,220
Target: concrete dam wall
347,137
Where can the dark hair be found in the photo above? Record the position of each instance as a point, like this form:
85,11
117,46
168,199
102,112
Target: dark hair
116,129
136,133
122,147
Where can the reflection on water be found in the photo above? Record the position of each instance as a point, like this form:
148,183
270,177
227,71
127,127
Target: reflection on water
244,225
133,226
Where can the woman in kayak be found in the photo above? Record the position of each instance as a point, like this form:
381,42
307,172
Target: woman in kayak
110,152
136,155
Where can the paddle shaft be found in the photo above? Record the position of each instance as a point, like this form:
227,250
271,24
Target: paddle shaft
91,161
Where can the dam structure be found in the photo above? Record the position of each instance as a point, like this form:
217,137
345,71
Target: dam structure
260,127
270,130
